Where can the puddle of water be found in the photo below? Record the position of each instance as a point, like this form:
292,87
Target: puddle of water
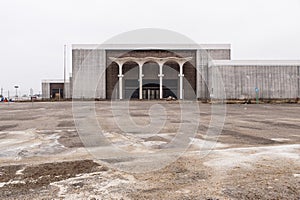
280,139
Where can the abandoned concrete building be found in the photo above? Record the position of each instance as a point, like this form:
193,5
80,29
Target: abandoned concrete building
188,71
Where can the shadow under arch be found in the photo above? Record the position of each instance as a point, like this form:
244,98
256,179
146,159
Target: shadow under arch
151,92
170,80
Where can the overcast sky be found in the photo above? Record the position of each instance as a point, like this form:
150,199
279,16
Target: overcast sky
33,32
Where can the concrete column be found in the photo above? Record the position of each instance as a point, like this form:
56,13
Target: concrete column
120,81
181,75
160,75
141,80
298,75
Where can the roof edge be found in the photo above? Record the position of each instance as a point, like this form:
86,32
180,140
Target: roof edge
151,46
253,62
53,81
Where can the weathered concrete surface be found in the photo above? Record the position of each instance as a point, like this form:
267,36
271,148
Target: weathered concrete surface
88,73
255,157
273,81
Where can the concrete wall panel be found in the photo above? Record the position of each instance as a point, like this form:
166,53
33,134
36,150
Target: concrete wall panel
46,90
88,68
273,81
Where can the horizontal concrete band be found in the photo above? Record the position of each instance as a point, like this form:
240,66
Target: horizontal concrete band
254,62
143,60
151,46
54,81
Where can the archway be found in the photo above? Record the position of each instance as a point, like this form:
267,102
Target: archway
131,79
171,79
151,66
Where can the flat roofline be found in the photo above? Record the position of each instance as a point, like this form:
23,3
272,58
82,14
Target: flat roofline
254,62
54,81
150,46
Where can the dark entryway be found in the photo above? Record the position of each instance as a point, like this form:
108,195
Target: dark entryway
150,89
56,90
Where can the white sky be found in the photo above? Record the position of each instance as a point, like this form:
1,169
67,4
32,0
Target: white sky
33,32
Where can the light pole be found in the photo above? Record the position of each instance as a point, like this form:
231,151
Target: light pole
16,86
65,65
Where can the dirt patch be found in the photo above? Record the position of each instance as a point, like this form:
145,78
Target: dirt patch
17,117
250,127
264,181
37,176
179,121
118,160
282,125
157,138
5,127
70,139
66,124
8,172
248,139
139,115
277,124
202,128
171,181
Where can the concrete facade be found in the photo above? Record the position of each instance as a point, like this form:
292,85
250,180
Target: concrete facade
87,63
246,79
88,73
210,73
45,90
50,89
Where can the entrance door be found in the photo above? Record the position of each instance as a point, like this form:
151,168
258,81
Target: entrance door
151,91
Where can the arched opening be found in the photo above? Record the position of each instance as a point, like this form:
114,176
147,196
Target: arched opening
171,79
111,80
157,81
189,81
131,79
150,88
